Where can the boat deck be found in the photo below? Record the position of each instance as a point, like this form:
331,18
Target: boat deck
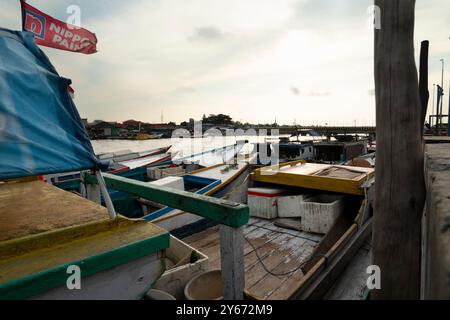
28,208
41,253
282,252
351,284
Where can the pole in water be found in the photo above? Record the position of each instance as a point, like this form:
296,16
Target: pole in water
442,100
448,115
432,110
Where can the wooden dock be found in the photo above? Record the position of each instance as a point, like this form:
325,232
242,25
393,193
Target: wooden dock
282,252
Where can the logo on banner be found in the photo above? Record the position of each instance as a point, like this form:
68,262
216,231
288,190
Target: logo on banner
35,23
57,34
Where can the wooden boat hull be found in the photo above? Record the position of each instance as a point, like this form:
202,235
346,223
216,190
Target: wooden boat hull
125,282
53,230
128,155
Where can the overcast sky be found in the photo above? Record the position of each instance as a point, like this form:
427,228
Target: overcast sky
308,61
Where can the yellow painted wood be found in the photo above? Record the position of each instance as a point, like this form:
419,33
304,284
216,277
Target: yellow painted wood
31,254
276,175
28,208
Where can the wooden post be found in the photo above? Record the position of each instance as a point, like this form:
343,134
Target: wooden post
93,193
399,183
423,81
232,262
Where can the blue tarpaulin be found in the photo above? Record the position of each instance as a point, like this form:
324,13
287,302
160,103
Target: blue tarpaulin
40,129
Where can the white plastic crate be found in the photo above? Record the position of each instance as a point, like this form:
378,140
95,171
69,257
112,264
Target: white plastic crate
262,202
289,206
319,213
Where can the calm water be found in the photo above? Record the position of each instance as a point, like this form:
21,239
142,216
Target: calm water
184,146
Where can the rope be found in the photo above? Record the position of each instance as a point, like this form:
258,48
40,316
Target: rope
284,232
267,269
260,260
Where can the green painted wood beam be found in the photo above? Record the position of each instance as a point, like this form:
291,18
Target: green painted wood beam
224,212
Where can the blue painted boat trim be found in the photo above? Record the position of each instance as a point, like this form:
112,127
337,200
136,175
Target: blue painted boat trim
209,184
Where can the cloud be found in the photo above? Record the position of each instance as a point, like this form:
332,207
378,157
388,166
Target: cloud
240,56
208,34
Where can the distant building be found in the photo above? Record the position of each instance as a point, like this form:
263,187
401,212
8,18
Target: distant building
191,124
105,129
131,123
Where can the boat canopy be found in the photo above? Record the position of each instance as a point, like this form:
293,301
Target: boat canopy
40,129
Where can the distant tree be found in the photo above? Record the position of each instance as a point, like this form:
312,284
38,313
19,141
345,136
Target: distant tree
219,119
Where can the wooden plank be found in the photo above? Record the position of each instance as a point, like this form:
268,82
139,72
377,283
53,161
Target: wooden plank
218,210
319,287
287,223
352,283
293,174
289,285
312,182
206,239
286,288
261,237
270,254
93,193
400,192
192,239
35,207
282,260
339,228
35,264
232,262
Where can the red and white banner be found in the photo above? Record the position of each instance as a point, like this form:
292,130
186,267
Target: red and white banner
56,34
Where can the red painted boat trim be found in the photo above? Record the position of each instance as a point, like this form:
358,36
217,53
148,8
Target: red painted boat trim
265,195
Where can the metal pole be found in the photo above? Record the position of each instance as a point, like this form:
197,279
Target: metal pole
448,115
442,100
432,107
106,197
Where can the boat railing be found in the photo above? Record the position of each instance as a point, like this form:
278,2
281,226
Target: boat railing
229,215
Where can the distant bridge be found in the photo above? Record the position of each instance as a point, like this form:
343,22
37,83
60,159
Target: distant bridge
327,130
342,130
322,130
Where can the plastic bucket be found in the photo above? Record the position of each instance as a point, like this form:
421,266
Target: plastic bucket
154,294
205,286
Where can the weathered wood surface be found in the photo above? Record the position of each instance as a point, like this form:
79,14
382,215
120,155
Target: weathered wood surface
399,195
318,288
29,208
353,280
436,224
281,251
93,193
423,81
232,262
224,212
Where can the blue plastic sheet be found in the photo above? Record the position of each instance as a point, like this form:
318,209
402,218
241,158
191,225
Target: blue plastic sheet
40,129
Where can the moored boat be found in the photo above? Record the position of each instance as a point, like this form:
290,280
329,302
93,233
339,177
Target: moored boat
230,183
305,218
124,155
140,162
55,244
